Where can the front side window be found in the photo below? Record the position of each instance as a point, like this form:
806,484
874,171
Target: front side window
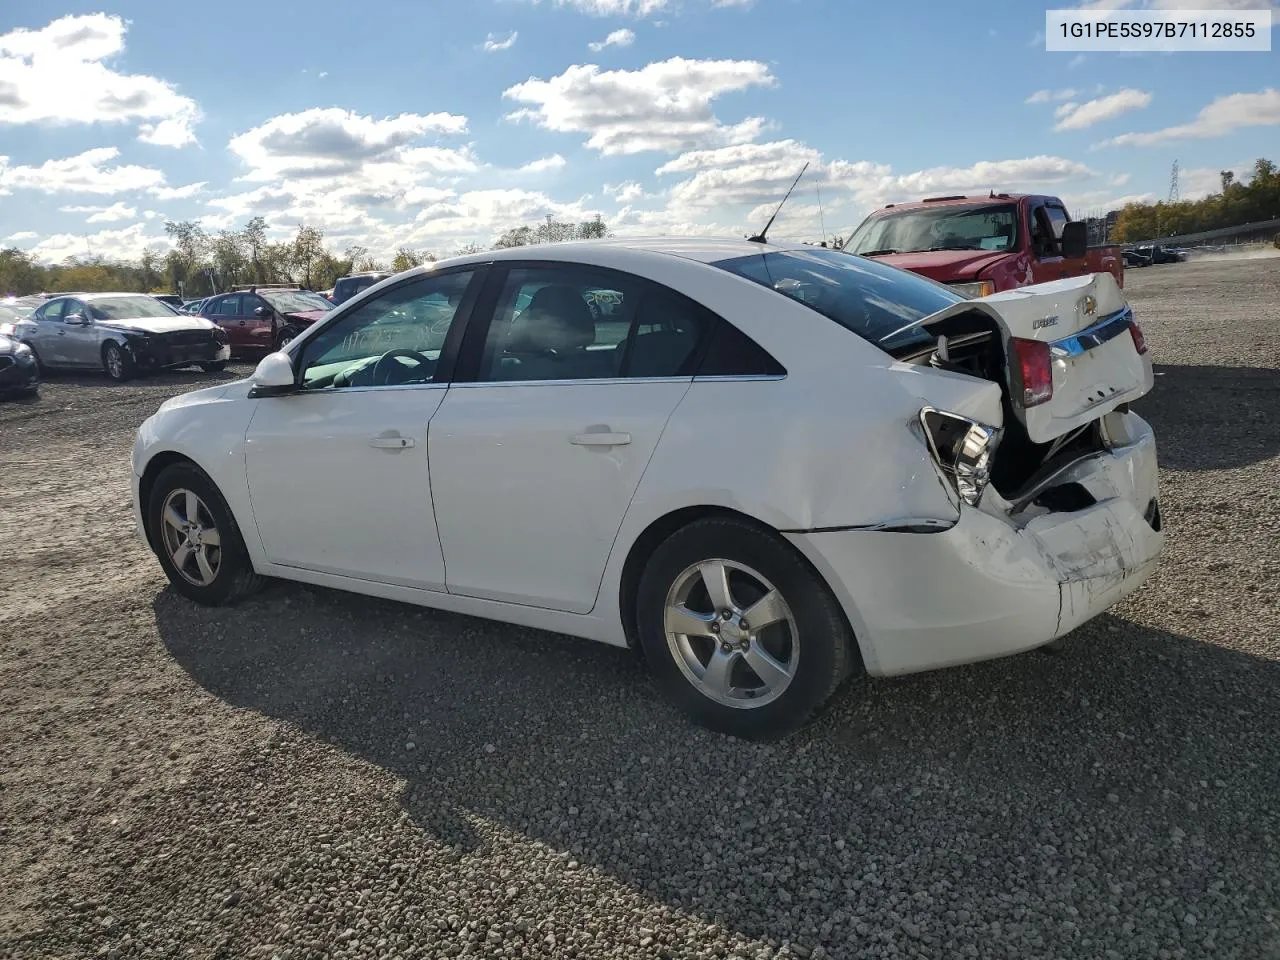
879,303
986,227
128,308
391,340
560,323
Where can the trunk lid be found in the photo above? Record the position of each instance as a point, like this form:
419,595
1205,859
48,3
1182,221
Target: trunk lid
1085,323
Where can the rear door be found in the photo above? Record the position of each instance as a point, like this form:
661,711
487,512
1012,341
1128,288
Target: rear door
225,312
48,331
535,456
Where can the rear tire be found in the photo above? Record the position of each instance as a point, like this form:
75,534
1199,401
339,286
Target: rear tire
760,681
196,538
216,366
116,363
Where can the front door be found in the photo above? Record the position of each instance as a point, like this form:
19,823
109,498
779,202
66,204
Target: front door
1046,247
338,472
534,463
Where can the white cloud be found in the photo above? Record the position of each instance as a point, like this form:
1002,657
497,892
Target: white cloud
86,172
330,142
1053,96
22,235
663,106
492,43
58,75
126,243
745,182
618,38
178,193
625,193
1196,183
1219,118
544,164
1073,116
614,8
117,211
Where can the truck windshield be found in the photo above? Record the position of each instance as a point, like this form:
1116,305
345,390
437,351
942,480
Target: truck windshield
877,302
986,227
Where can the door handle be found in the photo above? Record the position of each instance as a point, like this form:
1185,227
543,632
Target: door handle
391,443
600,439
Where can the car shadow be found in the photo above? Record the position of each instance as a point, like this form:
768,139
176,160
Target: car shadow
192,377
1214,418
1107,745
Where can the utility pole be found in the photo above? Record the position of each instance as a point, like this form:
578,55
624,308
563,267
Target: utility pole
1174,193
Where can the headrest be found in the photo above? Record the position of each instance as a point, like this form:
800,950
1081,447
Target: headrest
557,318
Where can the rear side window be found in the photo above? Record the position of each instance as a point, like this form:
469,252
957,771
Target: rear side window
666,336
731,353
879,303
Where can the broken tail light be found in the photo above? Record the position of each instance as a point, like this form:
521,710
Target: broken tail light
963,449
1033,368
1139,341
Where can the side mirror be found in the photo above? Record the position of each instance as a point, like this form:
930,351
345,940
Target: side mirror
79,319
1075,239
274,376
261,312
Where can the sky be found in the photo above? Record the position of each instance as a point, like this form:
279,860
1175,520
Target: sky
433,124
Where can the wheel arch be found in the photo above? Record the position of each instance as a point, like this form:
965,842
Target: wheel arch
147,482
657,531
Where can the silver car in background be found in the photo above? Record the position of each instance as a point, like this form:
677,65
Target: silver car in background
123,334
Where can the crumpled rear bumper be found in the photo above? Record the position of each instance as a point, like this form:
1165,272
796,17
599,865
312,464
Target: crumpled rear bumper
987,588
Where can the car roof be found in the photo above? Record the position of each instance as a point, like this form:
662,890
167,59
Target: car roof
700,249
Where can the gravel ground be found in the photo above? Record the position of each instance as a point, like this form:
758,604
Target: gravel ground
316,774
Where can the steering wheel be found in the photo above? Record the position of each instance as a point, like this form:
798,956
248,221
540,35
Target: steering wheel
382,372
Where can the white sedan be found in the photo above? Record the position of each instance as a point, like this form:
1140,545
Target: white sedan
765,466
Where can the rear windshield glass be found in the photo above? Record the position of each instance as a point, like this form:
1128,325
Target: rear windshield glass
877,302
295,301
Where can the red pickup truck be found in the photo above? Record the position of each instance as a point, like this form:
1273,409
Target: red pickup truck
982,245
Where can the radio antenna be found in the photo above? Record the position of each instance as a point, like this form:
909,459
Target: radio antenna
760,238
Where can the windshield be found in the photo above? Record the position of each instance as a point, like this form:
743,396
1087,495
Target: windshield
12,312
989,227
295,301
129,308
873,300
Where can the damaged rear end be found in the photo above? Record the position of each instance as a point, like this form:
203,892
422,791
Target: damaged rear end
1058,494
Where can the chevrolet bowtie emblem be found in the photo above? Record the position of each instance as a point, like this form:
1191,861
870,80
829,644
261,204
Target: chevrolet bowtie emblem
1089,305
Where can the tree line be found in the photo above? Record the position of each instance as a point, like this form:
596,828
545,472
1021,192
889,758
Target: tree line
200,263
1234,204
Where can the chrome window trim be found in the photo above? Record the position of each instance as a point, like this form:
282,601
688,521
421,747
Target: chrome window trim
616,380
1095,335
333,391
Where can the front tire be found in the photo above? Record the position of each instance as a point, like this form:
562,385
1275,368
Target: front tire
216,366
196,538
117,364
739,630
286,337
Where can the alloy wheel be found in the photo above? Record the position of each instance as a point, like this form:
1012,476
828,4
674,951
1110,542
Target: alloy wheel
115,363
191,537
731,633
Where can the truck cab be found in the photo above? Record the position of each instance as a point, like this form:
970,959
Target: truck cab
984,244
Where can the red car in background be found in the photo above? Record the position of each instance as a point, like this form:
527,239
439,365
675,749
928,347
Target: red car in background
982,245
264,318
